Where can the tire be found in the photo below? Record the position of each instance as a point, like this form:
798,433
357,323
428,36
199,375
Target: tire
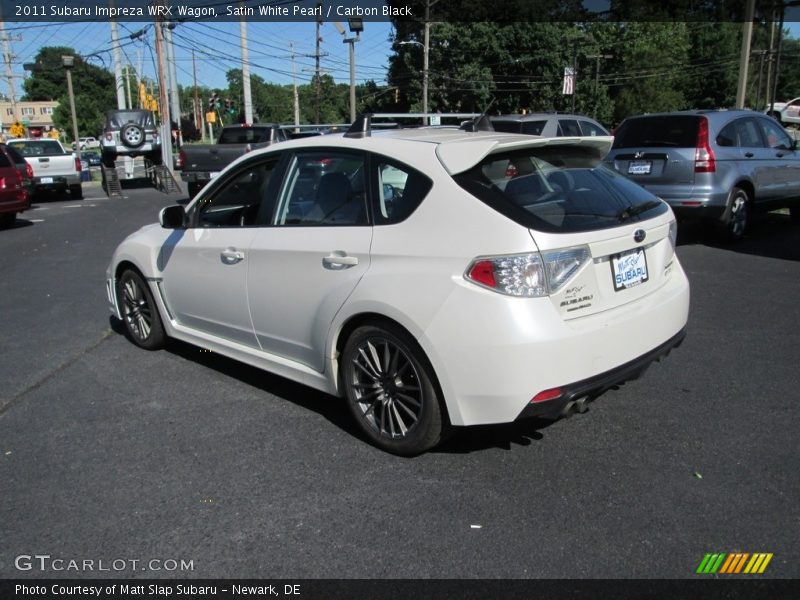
132,135
76,192
7,220
736,217
193,188
140,316
389,389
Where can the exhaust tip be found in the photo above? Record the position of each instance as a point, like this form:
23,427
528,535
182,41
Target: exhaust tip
581,405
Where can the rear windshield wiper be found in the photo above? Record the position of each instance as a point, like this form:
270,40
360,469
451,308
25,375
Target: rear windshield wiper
637,209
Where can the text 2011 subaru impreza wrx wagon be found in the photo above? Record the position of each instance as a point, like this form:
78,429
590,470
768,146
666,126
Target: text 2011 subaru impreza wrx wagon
432,277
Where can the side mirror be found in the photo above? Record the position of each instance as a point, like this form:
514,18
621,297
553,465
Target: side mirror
172,217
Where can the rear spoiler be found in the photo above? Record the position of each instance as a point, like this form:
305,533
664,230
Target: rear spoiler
461,155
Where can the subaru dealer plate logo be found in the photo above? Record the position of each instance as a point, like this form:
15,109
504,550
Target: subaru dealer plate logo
639,235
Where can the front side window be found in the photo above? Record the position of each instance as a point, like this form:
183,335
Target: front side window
558,189
775,135
401,189
240,199
323,188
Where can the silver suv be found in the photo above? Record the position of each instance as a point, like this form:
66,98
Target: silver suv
718,165
549,125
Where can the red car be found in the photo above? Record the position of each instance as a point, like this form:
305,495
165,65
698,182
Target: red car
14,196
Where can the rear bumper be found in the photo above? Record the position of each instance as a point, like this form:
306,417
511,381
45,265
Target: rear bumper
692,201
592,387
56,181
14,202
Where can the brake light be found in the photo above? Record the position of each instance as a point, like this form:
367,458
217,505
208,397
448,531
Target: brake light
181,158
109,136
531,275
29,170
2,183
77,164
704,161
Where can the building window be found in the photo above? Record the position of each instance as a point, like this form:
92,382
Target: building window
10,112
46,110
27,111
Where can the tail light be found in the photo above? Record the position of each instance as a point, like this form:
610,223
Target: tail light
28,170
704,161
2,183
109,136
78,164
531,275
181,159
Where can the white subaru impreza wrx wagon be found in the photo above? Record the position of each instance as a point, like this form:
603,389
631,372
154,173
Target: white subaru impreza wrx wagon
432,277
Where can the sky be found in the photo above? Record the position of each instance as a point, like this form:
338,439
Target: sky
216,48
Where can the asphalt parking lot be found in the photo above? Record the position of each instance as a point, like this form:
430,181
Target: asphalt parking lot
109,452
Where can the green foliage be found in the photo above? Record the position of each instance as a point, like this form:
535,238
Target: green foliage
93,87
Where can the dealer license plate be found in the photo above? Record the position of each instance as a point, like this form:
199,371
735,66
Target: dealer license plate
629,269
640,167
46,180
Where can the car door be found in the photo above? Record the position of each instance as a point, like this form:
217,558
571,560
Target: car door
782,158
204,267
302,268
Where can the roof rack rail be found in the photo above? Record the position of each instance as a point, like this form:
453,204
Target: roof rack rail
362,126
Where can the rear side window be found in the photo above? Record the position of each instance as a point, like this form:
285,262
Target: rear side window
4,162
670,131
507,126
244,135
590,129
15,156
558,189
401,190
742,133
533,127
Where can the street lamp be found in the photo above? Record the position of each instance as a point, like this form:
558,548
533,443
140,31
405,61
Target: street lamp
69,62
425,50
356,25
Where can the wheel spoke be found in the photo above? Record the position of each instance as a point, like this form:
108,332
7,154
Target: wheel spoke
369,374
368,363
407,410
374,353
400,423
408,398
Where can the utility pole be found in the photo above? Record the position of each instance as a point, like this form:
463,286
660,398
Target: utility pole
117,65
318,92
248,99
744,59
597,78
166,133
294,85
7,58
197,107
175,105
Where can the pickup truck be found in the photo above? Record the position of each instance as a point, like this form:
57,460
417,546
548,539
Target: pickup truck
786,112
200,163
54,169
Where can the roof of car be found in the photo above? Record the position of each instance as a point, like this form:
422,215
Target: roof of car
539,116
457,150
698,111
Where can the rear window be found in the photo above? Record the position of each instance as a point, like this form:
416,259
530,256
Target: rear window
39,148
670,131
244,135
558,189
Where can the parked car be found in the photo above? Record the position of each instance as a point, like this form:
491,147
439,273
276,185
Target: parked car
91,158
24,168
130,133
549,125
86,143
715,165
14,197
54,169
200,163
787,113
463,292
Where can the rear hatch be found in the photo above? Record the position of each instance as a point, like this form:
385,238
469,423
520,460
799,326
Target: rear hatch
656,149
603,240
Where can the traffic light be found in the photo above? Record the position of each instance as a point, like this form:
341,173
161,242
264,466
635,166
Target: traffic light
213,101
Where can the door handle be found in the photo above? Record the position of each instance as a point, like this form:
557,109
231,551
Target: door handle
748,154
231,256
337,260
779,154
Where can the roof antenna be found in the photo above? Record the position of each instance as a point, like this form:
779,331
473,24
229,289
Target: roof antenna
361,127
479,123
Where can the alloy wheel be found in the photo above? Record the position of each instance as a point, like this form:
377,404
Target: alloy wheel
137,312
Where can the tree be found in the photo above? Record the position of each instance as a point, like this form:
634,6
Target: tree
93,87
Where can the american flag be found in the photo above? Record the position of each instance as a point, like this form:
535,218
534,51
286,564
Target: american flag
569,81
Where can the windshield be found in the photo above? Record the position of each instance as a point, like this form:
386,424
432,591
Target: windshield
38,148
558,189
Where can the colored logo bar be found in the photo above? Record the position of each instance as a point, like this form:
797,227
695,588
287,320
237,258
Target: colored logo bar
734,563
